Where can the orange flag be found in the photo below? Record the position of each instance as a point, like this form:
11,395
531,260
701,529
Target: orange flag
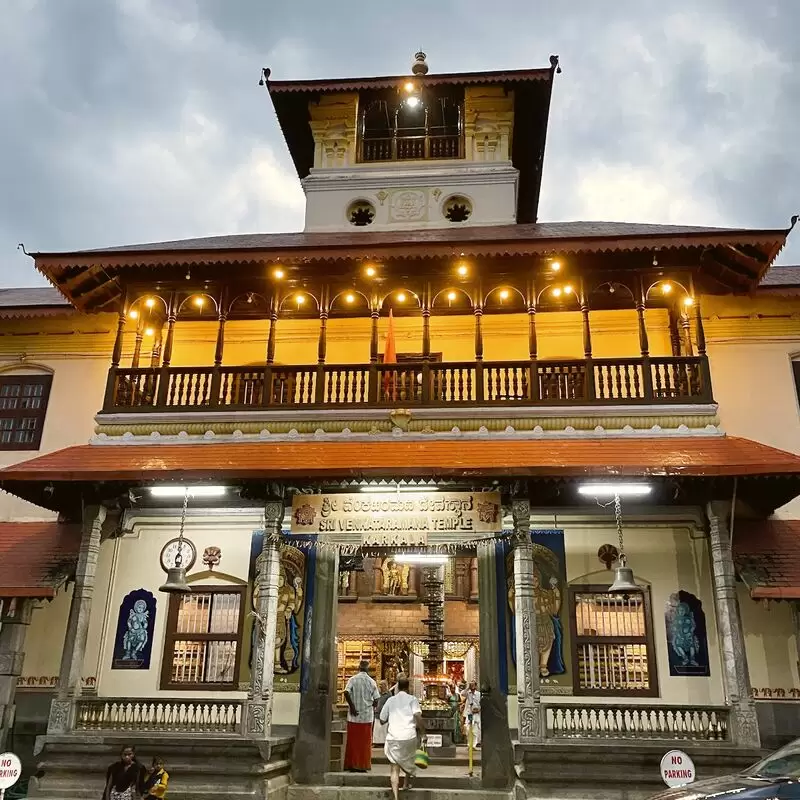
389,357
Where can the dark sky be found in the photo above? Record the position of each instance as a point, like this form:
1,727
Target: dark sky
139,120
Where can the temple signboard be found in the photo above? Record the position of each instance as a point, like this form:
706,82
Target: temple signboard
397,515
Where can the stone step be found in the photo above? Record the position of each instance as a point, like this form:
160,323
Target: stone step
431,778
296,792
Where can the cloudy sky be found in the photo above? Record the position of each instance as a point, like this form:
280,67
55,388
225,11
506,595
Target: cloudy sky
139,120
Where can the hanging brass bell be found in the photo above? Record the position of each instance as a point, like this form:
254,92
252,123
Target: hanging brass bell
624,582
176,582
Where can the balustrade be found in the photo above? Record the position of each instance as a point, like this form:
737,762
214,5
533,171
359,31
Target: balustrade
411,148
148,715
661,380
706,724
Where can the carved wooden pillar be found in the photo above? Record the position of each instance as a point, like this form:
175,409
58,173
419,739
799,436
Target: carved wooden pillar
322,346
644,343
473,579
531,712
80,611
478,311
273,324
426,344
589,388
372,391
686,333
259,698
137,343
116,356
674,332
533,345
736,677
222,318
172,315
16,619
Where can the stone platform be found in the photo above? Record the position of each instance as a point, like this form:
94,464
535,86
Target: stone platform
200,767
623,770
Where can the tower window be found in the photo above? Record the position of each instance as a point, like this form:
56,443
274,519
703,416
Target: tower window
23,405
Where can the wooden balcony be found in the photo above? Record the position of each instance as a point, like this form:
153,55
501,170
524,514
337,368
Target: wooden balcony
599,381
412,148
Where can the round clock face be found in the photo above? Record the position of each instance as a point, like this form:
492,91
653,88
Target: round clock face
170,550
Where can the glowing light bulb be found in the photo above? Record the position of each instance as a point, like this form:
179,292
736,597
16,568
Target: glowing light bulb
148,331
198,301
150,302
462,270
504,294
350,297
279,273
412,101
451,296
557,292
409,86
555,265
666,288
688,301
133,313
568,289
300,299
401,297
370,272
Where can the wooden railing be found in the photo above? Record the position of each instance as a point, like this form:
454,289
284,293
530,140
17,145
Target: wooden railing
175,716
596,381
411,148
639,722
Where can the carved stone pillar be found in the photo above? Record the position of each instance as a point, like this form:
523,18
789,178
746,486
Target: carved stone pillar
69,682
313,742
736,678
531,720
259,699
16,618
497,755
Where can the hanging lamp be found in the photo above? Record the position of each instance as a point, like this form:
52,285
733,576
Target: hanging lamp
176,574
624,582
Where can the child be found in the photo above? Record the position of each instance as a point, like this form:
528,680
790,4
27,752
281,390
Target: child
154,785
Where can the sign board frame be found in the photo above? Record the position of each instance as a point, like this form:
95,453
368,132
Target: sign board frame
677,769
10,771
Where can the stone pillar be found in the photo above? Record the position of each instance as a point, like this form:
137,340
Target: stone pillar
69,682
259,699
497,754
473,580
313,741
736,678
531,718
16,618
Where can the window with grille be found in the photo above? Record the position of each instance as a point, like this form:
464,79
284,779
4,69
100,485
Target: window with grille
23,405
612,642
204,639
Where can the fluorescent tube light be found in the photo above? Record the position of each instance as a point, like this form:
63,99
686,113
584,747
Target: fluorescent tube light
194,491
389,489
428,559
612,489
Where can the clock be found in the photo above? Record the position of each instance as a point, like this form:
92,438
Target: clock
170,550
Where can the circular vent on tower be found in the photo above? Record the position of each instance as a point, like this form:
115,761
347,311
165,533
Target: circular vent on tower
457,208
360,213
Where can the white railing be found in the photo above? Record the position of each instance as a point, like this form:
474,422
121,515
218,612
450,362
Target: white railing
150,715
694,723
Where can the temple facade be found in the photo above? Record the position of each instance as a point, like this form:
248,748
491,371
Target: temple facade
429,431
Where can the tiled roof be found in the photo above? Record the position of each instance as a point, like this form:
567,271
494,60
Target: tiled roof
666,456
36,557
553,232
432,79
767,555
781,276
33,297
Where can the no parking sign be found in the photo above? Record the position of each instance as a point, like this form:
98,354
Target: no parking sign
10,771
677,769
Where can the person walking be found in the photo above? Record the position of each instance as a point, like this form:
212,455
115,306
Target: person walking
361,695
404,735
472,713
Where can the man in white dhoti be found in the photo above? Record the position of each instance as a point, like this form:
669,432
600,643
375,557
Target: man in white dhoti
472,713
404,734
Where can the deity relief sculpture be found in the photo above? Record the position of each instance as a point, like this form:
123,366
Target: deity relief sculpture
135,639
395,577
687,637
